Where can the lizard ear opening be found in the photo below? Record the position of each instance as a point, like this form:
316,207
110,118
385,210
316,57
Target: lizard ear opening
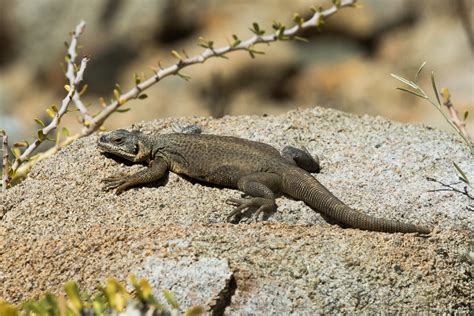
142,152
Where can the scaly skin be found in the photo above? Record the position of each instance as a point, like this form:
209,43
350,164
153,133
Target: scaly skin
254,168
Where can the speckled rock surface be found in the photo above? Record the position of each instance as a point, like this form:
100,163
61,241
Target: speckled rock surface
58,224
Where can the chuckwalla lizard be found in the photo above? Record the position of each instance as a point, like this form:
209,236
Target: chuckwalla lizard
255,168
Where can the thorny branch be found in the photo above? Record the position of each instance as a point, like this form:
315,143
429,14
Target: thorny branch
71,69
43,133
247,45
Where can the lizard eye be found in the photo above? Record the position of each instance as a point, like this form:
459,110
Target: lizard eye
118,140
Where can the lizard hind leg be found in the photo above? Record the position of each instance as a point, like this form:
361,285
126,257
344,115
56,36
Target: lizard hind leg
260,187
301,158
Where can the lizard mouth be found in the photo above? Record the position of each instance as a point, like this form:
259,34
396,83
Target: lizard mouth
105,147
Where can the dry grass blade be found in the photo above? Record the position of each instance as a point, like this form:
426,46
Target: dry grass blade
406,81
419,71
412,92
435,89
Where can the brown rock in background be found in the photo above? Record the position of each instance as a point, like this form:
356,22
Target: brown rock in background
347,66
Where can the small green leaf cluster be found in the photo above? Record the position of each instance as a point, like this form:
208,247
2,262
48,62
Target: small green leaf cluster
110,299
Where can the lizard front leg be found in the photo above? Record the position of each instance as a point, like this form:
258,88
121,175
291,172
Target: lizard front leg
156,170
261,187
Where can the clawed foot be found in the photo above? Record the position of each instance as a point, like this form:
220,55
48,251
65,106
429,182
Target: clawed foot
262,204
119,182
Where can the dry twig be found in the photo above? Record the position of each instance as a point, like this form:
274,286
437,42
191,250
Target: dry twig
44,132
5,166
72,68
453,113
451,188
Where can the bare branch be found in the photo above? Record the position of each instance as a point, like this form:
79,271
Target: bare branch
450,188
210,52
43,133
5,167
71,69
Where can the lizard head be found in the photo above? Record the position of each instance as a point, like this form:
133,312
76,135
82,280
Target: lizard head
125,144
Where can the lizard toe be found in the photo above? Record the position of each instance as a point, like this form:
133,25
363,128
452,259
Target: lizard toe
112,183
263,205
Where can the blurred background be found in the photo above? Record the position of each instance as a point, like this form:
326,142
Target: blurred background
347,66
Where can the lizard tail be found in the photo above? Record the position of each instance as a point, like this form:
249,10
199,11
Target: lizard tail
303,186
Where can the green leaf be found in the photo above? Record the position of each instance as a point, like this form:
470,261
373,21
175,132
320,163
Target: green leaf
122,110
433,83
72,291
466,114
337,3
176,54
281,33
318,10
183,76
54,108
99,304
301,39
21,144
237,41
8,310
84,89
320,22
40,122
65,132
205,43
419,71
142,96
462,175
58,137
446,95
116,94
50,112
137,79
277,25
41,135
298,19
170,298
256,29
16,153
